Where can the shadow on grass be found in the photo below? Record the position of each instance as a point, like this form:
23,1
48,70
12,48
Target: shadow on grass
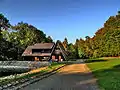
108,79
117,67
95,60
8,73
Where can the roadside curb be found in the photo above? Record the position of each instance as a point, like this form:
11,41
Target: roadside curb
27,81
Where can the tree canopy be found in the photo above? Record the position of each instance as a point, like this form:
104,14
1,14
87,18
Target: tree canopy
27,34
14,43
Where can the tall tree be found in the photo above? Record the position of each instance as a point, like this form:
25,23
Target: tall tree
65,43
72,51
76,48
49,39
4,23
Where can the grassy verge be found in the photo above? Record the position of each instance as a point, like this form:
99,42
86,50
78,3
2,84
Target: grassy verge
107,71
32,73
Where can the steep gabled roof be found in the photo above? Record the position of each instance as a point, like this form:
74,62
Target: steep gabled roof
63,51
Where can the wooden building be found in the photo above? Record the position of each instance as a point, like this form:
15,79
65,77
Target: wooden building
45,52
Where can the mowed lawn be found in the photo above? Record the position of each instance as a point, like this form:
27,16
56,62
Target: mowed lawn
107,71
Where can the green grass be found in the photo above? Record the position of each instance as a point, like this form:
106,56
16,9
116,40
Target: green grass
107,72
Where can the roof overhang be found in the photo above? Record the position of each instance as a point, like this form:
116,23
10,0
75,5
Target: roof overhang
38,54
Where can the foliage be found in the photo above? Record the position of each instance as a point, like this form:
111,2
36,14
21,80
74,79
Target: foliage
65,43
72,51
49,39
105,42
28,34
4,22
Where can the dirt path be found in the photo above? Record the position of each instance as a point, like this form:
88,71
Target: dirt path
71,77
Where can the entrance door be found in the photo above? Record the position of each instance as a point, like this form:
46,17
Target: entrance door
60,58
57,57
53,57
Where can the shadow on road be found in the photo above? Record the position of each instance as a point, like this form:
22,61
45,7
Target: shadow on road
89,61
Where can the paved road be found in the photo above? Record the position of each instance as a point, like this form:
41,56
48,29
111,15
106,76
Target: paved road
71,77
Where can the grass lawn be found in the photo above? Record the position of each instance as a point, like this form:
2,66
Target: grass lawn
107,71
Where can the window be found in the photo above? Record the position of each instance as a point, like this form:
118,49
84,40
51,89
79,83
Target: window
41,50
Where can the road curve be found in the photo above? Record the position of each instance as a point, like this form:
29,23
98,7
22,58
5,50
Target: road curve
71,77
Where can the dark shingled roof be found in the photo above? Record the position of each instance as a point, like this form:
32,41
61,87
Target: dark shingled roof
28,51
43,46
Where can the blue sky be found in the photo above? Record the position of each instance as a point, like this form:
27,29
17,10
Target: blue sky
61,18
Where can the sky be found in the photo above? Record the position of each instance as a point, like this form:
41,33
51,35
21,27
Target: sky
61,18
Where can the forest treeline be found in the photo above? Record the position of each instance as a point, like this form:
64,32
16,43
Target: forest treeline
15,38
105,42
